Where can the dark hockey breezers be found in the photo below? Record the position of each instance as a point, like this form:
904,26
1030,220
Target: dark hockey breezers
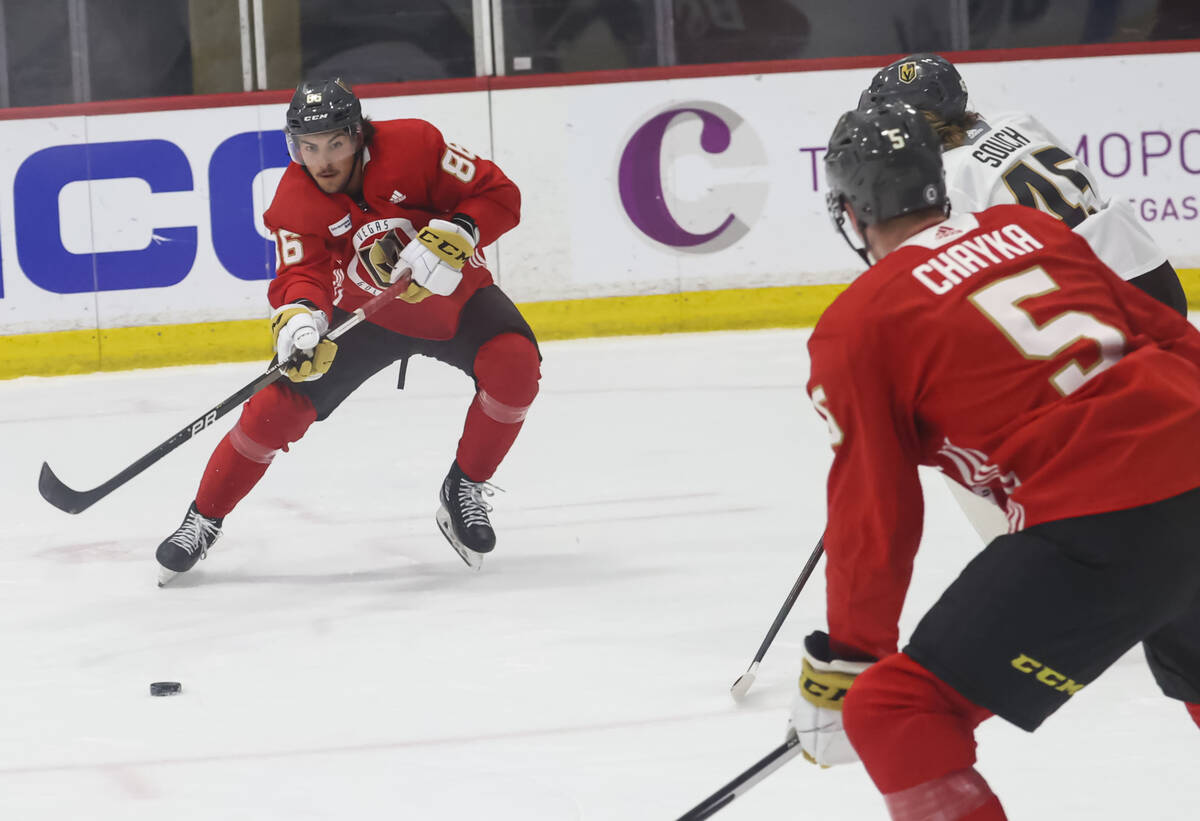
187,545
463,516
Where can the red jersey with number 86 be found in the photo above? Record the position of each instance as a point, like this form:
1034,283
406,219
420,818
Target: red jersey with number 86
997,348
410,176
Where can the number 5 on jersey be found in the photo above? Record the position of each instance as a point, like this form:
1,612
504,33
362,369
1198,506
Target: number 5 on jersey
999,303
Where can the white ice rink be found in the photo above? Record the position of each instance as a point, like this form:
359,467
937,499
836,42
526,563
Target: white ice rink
339,661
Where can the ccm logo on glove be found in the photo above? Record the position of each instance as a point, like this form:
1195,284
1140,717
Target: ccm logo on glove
816,716
449,246
824,688
438,254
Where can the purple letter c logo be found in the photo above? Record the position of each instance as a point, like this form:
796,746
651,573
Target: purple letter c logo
640,176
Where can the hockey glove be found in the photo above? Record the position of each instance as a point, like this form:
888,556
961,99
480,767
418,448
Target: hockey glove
817,710
439,252
382,259
298,334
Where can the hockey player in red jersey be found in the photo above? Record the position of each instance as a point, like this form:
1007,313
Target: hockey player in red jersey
362,204
998,348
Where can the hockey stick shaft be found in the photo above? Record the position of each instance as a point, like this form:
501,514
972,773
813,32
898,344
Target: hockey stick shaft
55,492
766,765
742,685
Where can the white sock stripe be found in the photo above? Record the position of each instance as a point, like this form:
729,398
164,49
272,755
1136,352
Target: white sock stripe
950,797
495,409
247,447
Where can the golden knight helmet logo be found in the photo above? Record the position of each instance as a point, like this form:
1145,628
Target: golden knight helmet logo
908,72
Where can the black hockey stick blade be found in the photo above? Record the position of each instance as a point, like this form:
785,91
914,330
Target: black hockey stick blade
745,681
69,500
759,770
64,498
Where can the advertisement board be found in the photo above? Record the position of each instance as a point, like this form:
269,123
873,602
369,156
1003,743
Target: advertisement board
643,187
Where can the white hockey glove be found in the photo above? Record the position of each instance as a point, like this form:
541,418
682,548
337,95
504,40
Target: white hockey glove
817,710
298,330
439,252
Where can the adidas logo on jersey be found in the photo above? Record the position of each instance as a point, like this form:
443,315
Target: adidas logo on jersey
397,197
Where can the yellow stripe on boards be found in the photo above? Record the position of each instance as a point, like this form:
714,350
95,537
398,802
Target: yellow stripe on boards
734,309
114,349
119,349
1190,279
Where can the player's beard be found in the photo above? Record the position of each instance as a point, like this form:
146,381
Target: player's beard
332,184
339,183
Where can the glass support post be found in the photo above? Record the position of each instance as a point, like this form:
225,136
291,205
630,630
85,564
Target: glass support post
81,77
664,28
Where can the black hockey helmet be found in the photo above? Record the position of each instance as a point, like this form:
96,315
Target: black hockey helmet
928,82
320,106
883,163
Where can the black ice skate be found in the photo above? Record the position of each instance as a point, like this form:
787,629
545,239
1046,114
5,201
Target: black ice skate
463,516
187,545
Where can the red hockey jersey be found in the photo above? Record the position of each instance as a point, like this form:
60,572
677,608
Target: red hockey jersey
997,348
410,176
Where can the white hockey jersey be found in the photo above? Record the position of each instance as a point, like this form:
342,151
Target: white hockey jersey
1013,158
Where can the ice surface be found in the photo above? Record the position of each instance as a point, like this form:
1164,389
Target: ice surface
339,661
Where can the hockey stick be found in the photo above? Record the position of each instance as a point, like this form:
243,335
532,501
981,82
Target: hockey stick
75,501
746,680
766,765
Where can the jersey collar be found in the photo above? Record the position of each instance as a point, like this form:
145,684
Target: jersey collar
946,231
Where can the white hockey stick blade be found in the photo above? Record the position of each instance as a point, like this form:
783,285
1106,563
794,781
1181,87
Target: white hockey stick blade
744,682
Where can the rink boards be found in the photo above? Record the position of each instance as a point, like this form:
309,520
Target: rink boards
656,200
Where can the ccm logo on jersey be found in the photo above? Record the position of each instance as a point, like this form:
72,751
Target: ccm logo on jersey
1046,675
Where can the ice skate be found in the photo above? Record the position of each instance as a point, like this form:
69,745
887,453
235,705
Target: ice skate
462,516
187,545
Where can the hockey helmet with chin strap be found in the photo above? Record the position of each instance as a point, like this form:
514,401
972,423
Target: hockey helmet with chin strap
319,107
927,82
883,163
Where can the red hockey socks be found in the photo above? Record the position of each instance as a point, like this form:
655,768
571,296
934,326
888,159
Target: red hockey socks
271,419
916,737
507,373
1194,712
228,477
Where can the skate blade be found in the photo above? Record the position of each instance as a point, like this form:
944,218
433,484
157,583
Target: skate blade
474,560
165,576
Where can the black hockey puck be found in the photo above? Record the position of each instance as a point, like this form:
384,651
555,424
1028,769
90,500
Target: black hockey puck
165,688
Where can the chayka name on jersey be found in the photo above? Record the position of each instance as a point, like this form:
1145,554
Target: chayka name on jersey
999,145
969,256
